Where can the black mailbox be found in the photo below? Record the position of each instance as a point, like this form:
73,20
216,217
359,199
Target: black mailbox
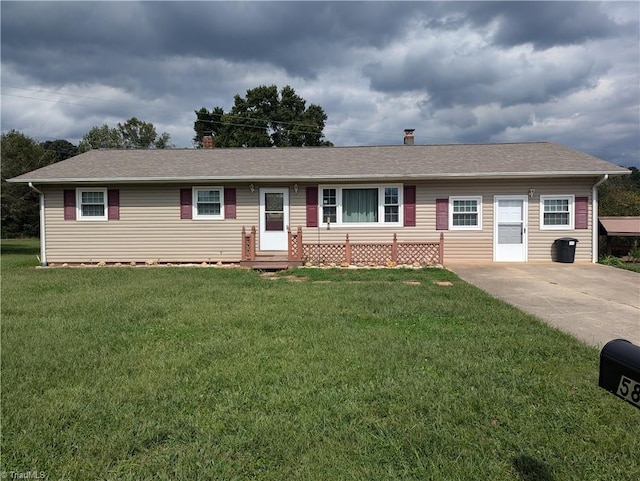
620,370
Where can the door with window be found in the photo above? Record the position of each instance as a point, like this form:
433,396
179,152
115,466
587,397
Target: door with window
274,218
510,231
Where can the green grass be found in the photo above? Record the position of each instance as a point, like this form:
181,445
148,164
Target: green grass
620,263
191,373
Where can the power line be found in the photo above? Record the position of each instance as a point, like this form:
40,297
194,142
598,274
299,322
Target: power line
228,114
326,127
56,93
43,100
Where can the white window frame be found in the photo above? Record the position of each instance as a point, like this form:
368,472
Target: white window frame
478,200
571,206
322,205
197,216
381,205
91,218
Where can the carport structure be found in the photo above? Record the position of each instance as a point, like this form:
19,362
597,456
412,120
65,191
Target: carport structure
619,227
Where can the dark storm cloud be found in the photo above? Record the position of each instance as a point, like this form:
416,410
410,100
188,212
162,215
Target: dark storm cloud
456,75
50,39
89,41
456,71
543,24
482,78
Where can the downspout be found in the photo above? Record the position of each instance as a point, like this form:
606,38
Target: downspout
594,223
43,245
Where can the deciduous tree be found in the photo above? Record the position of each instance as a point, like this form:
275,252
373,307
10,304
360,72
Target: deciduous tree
620,195
133,134
264,117
61,149
20,154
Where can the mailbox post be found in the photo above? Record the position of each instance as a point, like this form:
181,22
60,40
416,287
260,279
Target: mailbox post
620,370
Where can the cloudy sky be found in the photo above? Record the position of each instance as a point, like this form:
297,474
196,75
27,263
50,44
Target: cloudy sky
464,72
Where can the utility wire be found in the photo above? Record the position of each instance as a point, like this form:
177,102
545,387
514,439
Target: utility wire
228,114
326,127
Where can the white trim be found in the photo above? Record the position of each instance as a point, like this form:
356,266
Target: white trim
274,240
571,198
525,227
324,177
381,205
43,237
478,200
194,203
595,241
91,218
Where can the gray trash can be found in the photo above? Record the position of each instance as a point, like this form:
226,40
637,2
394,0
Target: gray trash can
566,249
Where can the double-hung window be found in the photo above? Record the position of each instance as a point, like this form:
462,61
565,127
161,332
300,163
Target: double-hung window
465,212
392,204
208,203
361,205
91,204
556,212
329,206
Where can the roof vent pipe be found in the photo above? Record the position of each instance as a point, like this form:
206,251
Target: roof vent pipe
408,136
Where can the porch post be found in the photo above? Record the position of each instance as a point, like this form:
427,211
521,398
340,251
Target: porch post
394,249
299,244
252,244
243,255
441,249
289,245
347,250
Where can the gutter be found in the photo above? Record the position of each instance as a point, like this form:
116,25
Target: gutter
43,244
594,223
315,178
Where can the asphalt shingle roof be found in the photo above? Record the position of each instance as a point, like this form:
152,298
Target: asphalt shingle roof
324,163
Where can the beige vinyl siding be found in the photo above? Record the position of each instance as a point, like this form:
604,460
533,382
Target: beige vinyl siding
150,226
541,241
473,245
464,245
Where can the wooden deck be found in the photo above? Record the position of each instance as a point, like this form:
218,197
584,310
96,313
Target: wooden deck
347,252
271,262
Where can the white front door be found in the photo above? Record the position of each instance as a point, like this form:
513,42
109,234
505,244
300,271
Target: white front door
274,218
510,230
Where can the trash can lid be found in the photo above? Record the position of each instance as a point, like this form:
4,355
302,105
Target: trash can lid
568,239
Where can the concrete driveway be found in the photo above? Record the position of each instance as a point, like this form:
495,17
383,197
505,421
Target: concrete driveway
593,302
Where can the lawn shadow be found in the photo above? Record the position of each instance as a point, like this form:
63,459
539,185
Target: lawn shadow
530,469
20,247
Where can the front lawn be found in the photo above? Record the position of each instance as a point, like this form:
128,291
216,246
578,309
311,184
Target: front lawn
209,373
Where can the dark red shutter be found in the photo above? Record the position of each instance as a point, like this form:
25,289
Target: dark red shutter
581,212
312,206
186,197
442,214
113,204
229,203
410,205
69,205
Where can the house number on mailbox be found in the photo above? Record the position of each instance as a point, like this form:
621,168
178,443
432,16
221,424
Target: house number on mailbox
629,390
